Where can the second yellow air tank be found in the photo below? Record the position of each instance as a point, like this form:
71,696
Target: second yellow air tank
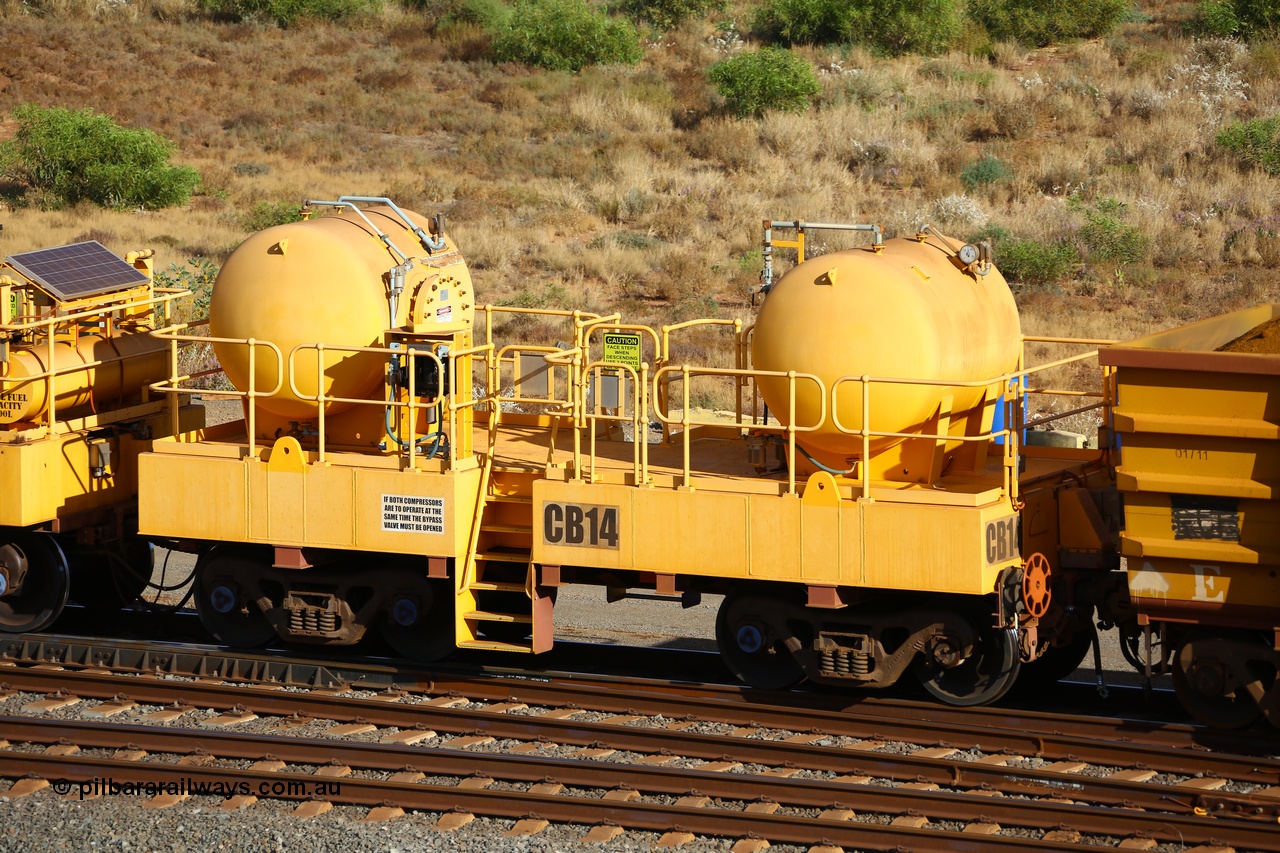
907,309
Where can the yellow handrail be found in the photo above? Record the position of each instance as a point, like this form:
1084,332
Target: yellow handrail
790,428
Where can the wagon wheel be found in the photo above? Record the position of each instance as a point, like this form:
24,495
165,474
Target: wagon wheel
1059,661
34,580
976,675
1037,591
226,600
419,621
1208,685
750,644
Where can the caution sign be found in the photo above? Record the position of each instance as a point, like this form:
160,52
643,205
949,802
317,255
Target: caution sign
622,348
412,514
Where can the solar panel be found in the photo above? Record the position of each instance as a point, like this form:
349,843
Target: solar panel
81,269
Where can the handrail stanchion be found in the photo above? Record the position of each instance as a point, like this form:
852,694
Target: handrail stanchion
643,437
791,432
413,422
740,381
319,398
51,393
684,422
590,419
864,465
253,407
172,396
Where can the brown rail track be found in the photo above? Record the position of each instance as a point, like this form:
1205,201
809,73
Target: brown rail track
928,768
1061,821
1053,736
908,768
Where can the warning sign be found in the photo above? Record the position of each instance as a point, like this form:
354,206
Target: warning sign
411,514
622,348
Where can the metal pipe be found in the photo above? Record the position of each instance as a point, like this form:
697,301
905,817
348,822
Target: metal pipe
427,243
801,225
358,212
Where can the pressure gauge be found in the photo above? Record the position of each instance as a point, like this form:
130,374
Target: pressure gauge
968,254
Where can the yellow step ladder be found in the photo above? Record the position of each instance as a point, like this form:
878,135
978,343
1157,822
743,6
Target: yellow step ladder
499,606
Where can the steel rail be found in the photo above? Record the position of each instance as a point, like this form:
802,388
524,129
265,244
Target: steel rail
911,768
552,807
577,810
1175,748
900,718
799,793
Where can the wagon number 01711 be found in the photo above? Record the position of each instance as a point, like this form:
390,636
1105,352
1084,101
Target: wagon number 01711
589,525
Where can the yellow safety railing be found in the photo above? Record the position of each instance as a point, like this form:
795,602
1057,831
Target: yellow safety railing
322,400
1015,391
459,401
66,329
664,358
173,385
790,428
639,385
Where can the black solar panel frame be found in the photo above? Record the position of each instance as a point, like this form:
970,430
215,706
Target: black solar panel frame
77,270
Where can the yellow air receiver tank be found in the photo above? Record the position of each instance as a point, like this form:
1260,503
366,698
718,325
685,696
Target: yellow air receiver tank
329,280
97,370
908,309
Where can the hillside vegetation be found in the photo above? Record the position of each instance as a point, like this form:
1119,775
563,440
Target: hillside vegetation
1124,160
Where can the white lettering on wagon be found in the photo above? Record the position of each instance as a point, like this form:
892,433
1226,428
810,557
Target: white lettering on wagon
412,514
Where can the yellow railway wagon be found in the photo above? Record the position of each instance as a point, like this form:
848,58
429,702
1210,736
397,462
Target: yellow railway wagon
1199,431
76,362
412,463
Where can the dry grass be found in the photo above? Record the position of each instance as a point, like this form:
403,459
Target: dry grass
629,189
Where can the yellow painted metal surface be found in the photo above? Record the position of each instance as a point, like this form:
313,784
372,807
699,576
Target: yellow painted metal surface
904,311
348,503
909,546
1204,584
47,478
1200,464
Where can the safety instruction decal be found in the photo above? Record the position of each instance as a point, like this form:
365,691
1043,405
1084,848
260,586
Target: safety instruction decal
622,348
412,514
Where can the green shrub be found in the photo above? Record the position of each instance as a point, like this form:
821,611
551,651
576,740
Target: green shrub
1039,23
70,156
766,79
993,231
887,26
1255,142
490,15
1106,237
565,35
286,13
804,21
1258,18
197,276
1249,18
268,213
669,14
979,173
1217,18
1036,264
